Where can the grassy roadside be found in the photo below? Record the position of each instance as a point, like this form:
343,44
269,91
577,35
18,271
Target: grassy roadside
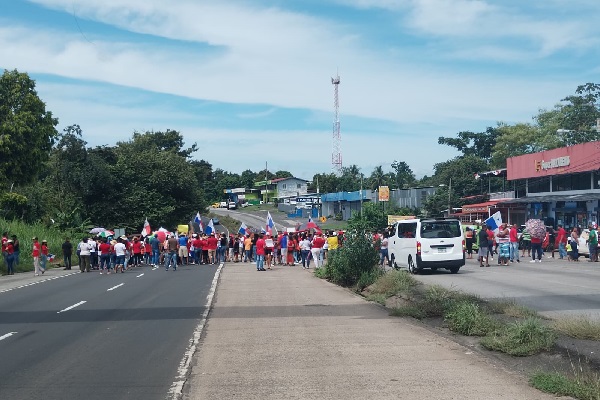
502,326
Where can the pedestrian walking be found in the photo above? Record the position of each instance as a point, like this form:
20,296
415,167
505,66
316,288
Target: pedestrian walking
17,250
260,253
44,255
84,255
305,251
67,251
513,236
469,242
9,256
484,248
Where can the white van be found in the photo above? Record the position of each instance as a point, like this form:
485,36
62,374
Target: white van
427,243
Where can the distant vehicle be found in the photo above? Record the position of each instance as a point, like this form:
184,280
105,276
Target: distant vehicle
216,221
232,205
582,245
246,204
216,205
427,243
223,204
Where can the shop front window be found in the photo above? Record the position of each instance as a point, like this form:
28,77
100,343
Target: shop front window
561,183
539,185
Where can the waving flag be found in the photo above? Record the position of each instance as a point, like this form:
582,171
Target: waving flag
310,224
210,228
243,228
198,220
146,231
270,222
494,221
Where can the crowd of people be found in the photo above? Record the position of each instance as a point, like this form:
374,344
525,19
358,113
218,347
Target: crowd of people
11,251
510,245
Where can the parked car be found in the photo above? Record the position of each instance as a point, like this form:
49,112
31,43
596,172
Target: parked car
428,243
582,245
223,204
216,205
232,205
216,221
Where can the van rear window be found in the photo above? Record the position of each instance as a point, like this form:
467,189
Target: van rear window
440,229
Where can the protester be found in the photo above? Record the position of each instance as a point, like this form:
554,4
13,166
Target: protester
17,250
84,255
120,250
536,249
67,251
593,243
305,251
503,240
260,253
469,242
269,247
104,253
561,240
484,248
171,257
317,249
9,255
514,244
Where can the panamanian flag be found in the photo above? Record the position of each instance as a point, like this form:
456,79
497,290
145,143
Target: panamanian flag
243,229
494,221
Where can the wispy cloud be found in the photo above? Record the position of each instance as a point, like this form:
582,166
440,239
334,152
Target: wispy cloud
259,114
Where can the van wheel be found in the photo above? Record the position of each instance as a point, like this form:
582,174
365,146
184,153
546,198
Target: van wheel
433,269
454,270
412,267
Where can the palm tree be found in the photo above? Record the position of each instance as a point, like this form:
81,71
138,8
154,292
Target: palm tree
377,178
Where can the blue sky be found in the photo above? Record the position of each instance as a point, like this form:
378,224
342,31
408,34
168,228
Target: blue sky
249,81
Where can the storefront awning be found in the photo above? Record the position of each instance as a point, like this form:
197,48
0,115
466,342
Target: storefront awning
479,207
551,198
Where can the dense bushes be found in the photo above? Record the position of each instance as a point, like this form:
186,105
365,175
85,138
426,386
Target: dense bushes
353,264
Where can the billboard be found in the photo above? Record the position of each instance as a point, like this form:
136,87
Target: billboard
395,218
384,193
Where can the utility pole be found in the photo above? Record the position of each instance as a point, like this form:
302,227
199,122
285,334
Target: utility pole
449,196
361,195
266,182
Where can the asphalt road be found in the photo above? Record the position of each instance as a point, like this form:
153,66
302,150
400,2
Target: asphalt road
92,336
553,287
257,219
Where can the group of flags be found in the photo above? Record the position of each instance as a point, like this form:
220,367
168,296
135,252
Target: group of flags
269,226
210,227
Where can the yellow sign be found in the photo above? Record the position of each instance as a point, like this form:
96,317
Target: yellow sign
183,229
392,219
323,219
384,193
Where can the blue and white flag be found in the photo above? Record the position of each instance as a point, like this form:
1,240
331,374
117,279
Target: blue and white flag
494,221
270,222
210,228
198,220
243,228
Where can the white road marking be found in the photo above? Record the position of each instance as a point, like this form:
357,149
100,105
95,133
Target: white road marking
140,275
36,282
72,307
9,334
154,268
176,390
114,287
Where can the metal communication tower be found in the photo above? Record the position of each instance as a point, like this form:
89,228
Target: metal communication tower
336,155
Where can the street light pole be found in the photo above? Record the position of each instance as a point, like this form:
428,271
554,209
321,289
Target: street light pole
449,195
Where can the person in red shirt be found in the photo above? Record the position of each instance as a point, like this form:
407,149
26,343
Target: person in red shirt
104,252
212,243
9,255
147,251
4,244
260,253
44,255
492,242
561,239
291,248
514,243
36,253
136,248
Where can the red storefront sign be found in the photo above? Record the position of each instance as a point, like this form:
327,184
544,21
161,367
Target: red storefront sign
583,157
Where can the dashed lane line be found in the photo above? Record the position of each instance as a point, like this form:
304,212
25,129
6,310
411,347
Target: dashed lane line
9,334
115,287
37,282
140,275
72,307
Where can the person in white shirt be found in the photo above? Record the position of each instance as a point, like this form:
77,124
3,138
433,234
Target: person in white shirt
305,251
384,250
120,253
84,255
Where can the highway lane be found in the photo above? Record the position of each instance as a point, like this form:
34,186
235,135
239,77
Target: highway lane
553,287
125,336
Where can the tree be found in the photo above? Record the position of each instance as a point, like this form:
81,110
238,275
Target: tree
516,140
326,183
377,178
27,130
580,115
403,175
473,144
371,219
284,174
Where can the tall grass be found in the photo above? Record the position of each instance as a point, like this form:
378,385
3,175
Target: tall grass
578,327
522,338
25,233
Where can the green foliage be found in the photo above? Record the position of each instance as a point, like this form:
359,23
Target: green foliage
346,265
377,298
403,176
522,338
394,282
27,130
367,278
578,387
372,218
467,318
479,145
578,327
580,113
13,205
26,231
438,300
413,311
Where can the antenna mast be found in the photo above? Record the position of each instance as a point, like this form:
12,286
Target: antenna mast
336,155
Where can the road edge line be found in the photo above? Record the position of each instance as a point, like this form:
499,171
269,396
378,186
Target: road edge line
176,390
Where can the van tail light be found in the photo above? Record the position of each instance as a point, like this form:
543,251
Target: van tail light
418,248
464,245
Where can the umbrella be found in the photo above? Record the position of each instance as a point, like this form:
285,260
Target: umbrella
97,230
536,228
106,233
